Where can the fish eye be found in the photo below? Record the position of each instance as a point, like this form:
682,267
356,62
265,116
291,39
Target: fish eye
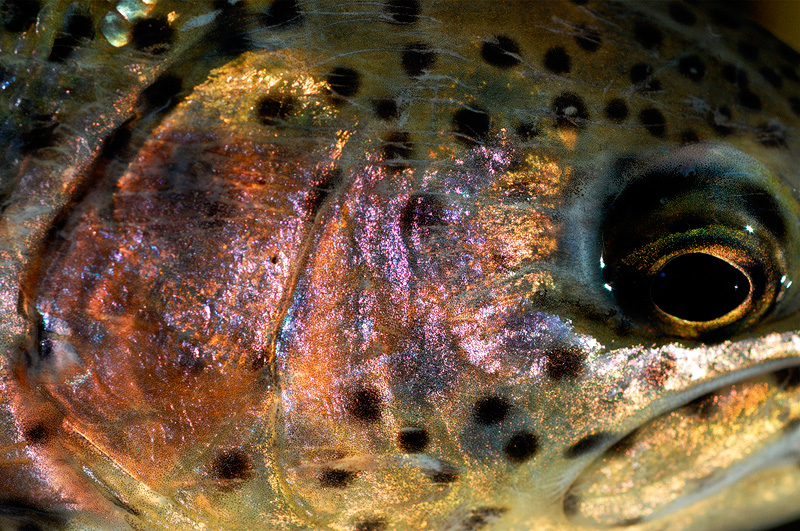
697,242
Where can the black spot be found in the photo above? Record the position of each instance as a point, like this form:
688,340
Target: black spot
471,125
18,15
491,410
794,103
788,53
327,185
501,51
772,76
344,81
563,362
726,18
734,75
229,32
274,108
653,120
570,110
374,524
641,75
623,445
587,444
396,147
579,2
588,38
748,50
422,211
790,73
692,66
616,110
386,108
689,137
681,14
571,503
413,440
527,131
772,135
37,434
521,447
447,474
480,517
647,35
703,406
788,378
403,12
231,464
152,35
335,478
283,14
417,58
749,99
39,134
79,27
365,404
557,60
162,94
29,526
721,120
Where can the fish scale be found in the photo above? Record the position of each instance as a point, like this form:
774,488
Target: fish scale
394,265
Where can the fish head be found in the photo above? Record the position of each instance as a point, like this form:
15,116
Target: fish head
399,265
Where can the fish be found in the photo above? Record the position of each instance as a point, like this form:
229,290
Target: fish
397,265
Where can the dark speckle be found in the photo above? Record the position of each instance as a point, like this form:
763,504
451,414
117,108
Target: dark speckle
653,120
588,38
794,103
772,76
563,362
788,53
647,35
788,378
616,110
721,120
772,134
417,58
725,18
413,440
790,73
78,28
364,404
480,517
283,14
681,14
749,99
37,434
587,444
373,524
571,503
641,75
386,108
397,147
39,134
162,93
501,51
18,15
335,478
557,60
527,131
692,66
623,445
521,447
421,211
152,35
748,50
491,410
231,464
230,28
570,110
447,474
404,12
471,124
687,137
703,406
734,75
344,81
274,108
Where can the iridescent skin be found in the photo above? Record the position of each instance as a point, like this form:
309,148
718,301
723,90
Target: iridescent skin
221,313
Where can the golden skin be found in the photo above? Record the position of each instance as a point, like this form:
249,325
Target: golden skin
262,290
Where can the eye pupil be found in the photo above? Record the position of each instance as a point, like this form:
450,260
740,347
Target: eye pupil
699,287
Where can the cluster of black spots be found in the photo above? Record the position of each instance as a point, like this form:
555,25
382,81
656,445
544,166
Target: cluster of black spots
344,81
734,75
692,66
40,134
681,14
447,474
616,110
396,148
162,94
491,410
153,35
653,120
588,38
641,75
557,60
748,50
403,12
521,447
321,191
480,517
648,35
570,110
471,125
230,28
283,14
19,15
373,524
794,104
386,108
527,131
274,108
421,211
335,478
563,362
689,136
501,51
772,135
586,444
231,464
703,406
749,99
365,404
37,434
417,58
772,76
720,120
413,440
79,27
788,378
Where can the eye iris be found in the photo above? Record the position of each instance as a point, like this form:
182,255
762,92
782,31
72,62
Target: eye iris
699,287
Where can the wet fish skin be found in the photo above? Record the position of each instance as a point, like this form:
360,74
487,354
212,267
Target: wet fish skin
391,265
